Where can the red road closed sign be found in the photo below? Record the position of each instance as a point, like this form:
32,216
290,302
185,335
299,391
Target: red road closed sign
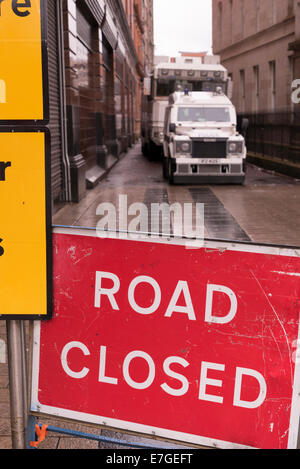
194,345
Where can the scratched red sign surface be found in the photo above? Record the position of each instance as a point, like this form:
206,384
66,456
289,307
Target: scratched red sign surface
194,345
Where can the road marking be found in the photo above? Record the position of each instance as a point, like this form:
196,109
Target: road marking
218,221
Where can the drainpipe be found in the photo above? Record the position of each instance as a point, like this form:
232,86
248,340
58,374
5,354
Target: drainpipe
63,118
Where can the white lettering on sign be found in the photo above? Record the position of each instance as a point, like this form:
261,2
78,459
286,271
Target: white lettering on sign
157,298
2,92
205,381
64,360
181,288
209,300
169,372
206,368
109,292
240,372
102,366
108,285
151,374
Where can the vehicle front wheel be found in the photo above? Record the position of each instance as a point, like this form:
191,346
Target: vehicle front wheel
170,171
145,149
165,168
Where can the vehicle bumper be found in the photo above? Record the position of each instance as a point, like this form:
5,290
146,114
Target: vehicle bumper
208,179
224,171
214,161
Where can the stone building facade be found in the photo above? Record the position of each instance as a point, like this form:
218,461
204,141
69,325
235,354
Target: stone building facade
99,54
259,44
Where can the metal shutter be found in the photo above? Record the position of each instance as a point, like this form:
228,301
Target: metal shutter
54,98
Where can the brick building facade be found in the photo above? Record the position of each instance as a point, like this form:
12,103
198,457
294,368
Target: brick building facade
99,53
259,44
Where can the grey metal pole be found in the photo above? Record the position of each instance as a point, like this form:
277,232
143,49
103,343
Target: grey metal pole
16,363
25,376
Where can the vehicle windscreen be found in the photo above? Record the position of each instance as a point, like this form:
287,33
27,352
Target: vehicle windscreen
203,114
167,86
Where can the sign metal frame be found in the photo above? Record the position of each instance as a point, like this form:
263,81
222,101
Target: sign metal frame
45,77
64,414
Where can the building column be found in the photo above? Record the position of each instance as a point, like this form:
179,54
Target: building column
77,162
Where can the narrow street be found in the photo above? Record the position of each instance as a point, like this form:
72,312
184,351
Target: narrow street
264,210
148,301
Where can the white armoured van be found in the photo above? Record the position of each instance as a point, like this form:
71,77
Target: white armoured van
201,142
167,77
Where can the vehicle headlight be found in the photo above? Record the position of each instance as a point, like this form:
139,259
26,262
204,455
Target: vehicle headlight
158,133
183,147
235,147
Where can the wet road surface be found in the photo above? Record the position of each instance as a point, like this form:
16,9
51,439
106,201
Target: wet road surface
264,210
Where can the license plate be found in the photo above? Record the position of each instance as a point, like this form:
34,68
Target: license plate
209,161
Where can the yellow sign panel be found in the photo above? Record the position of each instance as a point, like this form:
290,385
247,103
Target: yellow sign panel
24,241
22,61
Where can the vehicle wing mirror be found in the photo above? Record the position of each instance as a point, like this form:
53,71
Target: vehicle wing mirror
172,128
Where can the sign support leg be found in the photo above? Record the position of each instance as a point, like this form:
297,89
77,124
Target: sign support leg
17,381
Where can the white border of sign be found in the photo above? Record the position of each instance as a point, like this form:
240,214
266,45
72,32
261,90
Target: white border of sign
146,430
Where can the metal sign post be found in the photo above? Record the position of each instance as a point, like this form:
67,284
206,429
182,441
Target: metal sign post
17,382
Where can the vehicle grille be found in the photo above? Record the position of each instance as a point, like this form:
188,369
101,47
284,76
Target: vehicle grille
236,168
205,148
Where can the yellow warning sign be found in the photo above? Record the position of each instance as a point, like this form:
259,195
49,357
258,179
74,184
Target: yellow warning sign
24,242
22,61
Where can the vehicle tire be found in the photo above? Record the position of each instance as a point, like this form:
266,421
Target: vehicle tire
155,152
245,171
145,149
170,171
165,168
151,153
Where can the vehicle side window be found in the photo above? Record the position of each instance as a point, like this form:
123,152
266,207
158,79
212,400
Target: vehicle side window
166,124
